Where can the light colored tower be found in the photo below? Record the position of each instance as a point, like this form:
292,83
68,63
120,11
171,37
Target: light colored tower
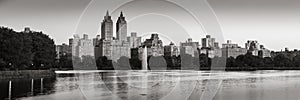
121,28
107,27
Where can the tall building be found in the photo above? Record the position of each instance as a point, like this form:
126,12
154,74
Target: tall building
134,41
189,47
107,46
230,49
121,28
171,50
104,46
107,27
82,46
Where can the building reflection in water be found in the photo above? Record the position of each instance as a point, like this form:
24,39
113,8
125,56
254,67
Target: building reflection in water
148,85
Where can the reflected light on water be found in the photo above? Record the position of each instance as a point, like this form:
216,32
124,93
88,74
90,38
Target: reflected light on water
141,85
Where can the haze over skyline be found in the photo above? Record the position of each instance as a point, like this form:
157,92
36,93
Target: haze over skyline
274,23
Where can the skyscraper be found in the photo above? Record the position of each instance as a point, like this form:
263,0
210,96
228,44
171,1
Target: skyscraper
107,27
121,28
110,47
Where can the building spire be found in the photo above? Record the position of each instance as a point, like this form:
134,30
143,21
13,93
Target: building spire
107,13
121,15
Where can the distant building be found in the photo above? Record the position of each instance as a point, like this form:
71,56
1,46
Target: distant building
263,52
189,47
63,50
154,46
209,42
232,50
96,40
210,47
107,46
255,49
82,46
212,53
134,41
27,30
171,50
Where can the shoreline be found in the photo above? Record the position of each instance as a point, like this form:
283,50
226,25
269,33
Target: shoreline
24,74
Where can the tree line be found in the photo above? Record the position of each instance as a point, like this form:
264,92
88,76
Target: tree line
20,50
247,62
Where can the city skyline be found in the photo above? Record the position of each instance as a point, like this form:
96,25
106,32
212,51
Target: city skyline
236,26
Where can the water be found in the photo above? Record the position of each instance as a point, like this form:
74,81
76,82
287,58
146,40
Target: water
153,85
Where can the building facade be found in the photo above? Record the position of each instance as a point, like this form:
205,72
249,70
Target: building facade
209,42
255,49
121,26
171,50
81,46
189,47
134,41
230,49
210,47
154,46
63,50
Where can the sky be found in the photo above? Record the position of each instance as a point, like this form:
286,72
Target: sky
274,23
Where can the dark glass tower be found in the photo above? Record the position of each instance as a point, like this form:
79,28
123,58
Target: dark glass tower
121,28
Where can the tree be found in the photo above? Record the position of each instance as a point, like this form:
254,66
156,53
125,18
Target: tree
88,63
157,63
205,61
231,62
123,63
2,64
296,61
135,63
65,61
282,61
24,50
104,64
268,63
43,50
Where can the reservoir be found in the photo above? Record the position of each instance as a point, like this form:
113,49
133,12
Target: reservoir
156,85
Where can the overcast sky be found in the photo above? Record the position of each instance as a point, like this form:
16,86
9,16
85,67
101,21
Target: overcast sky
274,23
